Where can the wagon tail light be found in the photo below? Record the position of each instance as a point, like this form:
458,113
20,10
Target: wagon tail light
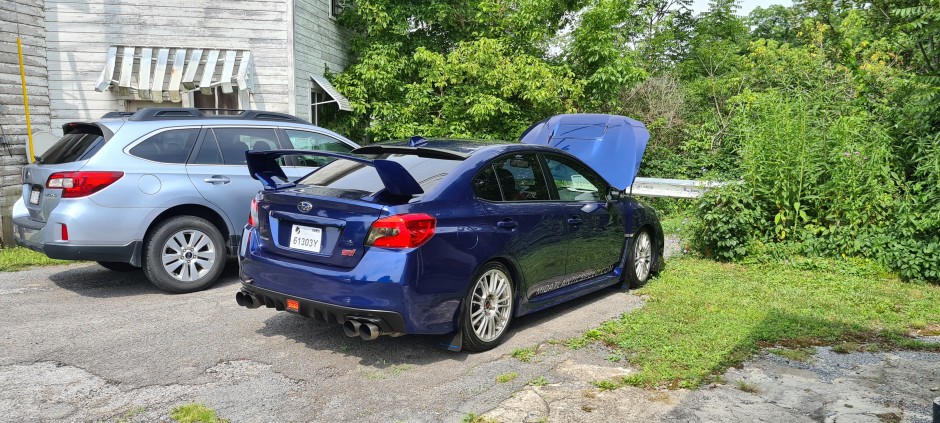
401,231
81,184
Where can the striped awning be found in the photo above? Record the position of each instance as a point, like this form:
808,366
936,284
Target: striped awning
331,91
155,73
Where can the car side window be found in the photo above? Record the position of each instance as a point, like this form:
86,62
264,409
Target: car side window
172,146
234,142
307,140
486,186
208,151
520,178
574,181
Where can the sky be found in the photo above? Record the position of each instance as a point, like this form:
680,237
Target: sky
747,6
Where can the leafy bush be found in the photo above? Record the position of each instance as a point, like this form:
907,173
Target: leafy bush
728,219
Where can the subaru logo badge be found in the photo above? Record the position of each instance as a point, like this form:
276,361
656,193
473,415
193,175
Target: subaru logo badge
304,206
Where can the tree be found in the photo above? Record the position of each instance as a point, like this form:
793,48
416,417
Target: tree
475,68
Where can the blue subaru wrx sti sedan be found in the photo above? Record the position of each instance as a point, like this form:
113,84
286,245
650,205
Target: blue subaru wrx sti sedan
451,236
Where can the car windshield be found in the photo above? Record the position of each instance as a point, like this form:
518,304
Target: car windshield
350,175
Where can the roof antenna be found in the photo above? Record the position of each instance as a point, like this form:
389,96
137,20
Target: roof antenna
417,141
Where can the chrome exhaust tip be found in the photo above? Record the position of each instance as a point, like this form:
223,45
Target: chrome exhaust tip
351,328
368,331
245,299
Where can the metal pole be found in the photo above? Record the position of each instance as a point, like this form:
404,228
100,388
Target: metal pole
29,126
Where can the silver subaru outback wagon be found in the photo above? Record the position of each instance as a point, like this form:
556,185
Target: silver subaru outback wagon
164,189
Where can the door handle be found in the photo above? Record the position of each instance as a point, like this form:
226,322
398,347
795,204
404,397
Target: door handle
507,224
575,221
217,180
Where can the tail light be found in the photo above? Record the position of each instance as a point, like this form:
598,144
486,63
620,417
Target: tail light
81,184
402,231
253,214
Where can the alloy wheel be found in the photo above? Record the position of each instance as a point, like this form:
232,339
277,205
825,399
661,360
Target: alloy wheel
643,256
491,305
188,255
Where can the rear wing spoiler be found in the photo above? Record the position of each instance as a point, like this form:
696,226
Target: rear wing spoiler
263,166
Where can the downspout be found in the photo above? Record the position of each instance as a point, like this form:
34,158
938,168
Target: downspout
29,126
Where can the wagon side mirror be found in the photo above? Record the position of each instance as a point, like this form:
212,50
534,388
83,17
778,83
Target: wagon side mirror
614,195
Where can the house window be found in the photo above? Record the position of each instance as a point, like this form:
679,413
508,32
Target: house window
322,106
336,7
216,100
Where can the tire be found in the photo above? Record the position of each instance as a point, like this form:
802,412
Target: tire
117,266
640,260
489,303
199,251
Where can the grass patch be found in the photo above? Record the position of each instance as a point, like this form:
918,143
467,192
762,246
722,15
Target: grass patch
524,355
798,354
195,413
475,418
17,258
506,377
703,317
539,381
605,385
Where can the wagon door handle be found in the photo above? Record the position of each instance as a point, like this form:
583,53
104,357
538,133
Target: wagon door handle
507,224
575,221
217,180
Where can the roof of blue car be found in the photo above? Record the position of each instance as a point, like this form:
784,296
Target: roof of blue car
464,146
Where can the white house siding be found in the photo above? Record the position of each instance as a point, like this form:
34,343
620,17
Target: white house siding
23,18
319,43
79,32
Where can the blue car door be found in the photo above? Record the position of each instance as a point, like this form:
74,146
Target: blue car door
595,230
532,227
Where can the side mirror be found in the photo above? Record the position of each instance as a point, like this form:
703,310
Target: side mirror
614,195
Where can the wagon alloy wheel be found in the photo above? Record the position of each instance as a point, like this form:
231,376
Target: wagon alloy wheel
184,254
490,306
487,309
188,255
643,257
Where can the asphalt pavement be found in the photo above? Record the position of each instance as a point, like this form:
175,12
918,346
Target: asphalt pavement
84,343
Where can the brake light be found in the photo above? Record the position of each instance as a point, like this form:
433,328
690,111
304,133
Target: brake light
402,231
253,214
80,184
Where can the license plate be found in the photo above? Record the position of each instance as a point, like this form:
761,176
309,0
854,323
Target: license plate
306,238
34,196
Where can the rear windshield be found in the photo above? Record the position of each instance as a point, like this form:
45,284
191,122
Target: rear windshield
350,175
78,144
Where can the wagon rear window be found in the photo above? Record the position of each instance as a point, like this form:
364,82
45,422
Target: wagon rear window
81,144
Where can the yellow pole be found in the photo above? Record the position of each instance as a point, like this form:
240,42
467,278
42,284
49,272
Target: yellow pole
29,126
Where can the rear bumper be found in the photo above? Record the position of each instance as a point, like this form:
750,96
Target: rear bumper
388,321
385,285
86,228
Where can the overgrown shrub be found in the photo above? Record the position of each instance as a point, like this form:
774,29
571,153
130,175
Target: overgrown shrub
727,219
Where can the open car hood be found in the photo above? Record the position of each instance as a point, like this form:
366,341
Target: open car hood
612,145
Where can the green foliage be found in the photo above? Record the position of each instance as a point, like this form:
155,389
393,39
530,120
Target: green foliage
727,219
506,377
195,413
18,258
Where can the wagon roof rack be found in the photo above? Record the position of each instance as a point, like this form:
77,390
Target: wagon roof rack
184,113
